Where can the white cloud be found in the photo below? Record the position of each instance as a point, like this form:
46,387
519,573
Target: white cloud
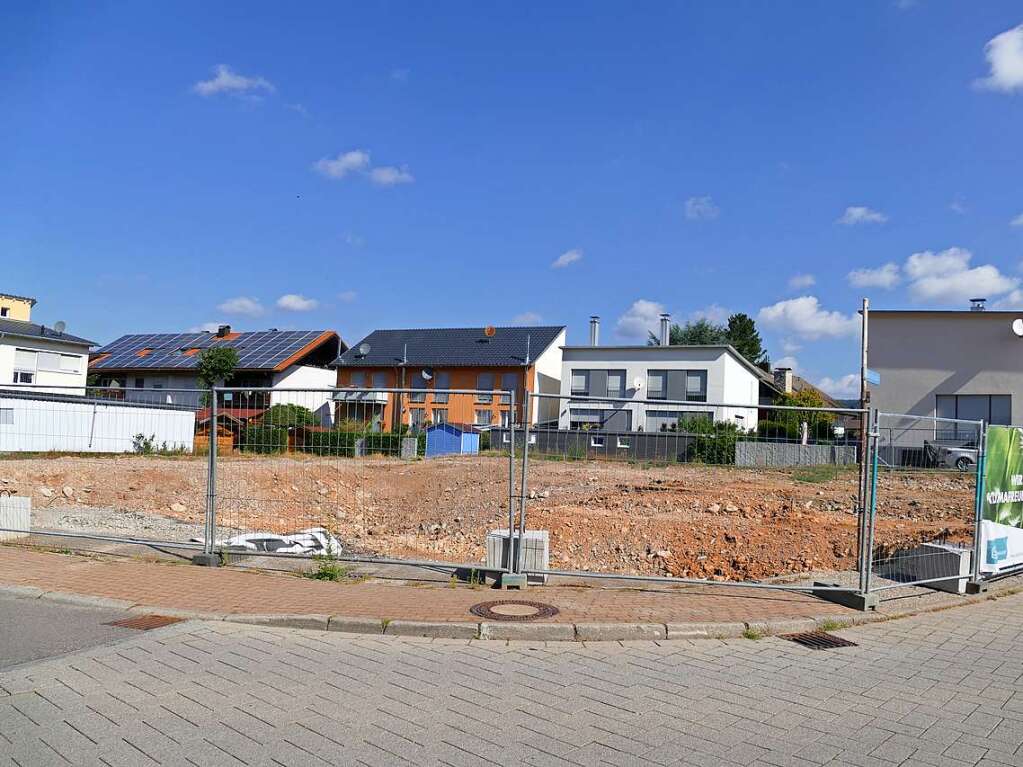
1018,221
886,277
788,361
844,387
640,318
567,258
249,307
348,296
1004,54
946,277
389,175
343,164
803,317
293,302
226,80
859,214
701,209
206,327
1013,300
714,313
802,281
527,318
958,206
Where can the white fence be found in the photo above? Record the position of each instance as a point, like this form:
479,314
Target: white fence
31,422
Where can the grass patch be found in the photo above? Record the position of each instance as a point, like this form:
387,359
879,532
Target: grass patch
752,633
832,624
329,569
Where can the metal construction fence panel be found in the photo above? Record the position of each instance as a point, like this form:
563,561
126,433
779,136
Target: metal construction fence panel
104,463
381,475
922,528
692,491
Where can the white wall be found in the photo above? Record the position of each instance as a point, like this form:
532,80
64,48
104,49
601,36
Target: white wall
307,377
547,380
728,380
29,424
45,378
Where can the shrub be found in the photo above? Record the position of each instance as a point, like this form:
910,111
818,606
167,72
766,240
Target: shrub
334,443
289,415
777,430
484,441
715,440
265,439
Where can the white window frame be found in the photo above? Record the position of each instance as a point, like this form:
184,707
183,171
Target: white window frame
598,440
624,443
6,416
489,416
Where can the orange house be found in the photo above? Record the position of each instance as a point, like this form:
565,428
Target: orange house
431,363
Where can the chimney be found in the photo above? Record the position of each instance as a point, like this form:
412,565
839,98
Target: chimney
594,330
783,379
665,329
223,330
977,304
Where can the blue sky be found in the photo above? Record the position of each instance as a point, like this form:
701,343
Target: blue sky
408,164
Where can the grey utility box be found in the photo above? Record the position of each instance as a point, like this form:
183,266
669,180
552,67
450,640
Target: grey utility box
536,551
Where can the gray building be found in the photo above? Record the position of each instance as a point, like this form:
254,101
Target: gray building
950,364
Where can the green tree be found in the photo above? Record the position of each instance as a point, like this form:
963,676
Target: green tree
742,334
289,415
701,332
215,367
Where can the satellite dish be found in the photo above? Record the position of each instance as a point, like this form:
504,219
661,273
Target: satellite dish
490,331
427,374
637,383
363,350
1017,326
59,326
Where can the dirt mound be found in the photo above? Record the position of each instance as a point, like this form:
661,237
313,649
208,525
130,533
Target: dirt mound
697,521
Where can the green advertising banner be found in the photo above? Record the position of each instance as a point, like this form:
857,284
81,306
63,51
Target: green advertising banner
1001,526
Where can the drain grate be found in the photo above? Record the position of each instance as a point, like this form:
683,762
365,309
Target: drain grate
513,610
146,622
818,640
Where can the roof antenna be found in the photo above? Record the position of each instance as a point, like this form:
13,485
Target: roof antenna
404,354
528,338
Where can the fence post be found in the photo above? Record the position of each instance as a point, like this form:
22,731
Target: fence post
975,585
511,563
874,443
523,479
209,558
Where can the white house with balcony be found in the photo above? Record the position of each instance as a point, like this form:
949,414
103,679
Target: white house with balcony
651,388
41,358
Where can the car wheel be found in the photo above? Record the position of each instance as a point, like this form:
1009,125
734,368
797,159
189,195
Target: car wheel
963,463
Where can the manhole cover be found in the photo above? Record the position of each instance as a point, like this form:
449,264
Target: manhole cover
513,610
818,640
146,622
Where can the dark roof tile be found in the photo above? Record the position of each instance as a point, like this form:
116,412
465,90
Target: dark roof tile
455,347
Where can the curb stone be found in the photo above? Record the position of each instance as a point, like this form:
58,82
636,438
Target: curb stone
173,612
86,601
616,632
705,630
774,628
355,625
23,592
538,632
435,629
282,621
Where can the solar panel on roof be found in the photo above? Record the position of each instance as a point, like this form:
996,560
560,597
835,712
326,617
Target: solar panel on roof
256,350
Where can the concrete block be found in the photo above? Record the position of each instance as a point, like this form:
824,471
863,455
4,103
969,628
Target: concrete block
614,632
783,626
316,622
355,625
705,630
447,630
536,632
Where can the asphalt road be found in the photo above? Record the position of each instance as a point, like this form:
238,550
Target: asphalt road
32,629
940,689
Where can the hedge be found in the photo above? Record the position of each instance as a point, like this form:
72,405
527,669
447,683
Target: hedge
265,439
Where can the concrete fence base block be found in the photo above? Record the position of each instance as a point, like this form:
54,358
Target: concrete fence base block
705,630
283,621
536,632
447,630
615,632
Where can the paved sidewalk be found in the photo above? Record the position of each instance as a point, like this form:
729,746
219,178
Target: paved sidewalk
938,690
604,613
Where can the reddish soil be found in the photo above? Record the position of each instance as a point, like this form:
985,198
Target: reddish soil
695,521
